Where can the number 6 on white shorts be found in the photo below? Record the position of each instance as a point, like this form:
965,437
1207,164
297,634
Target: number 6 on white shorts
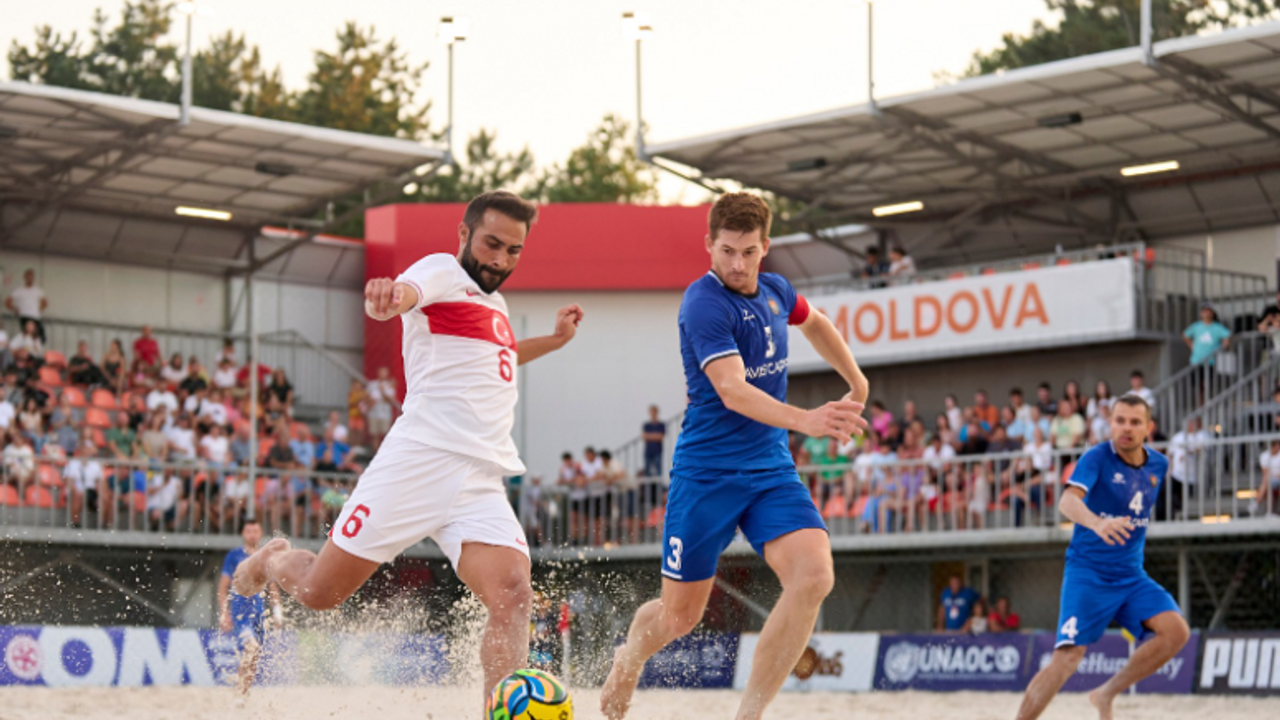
677,547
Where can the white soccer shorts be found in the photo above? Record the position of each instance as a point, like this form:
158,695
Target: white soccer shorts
413,491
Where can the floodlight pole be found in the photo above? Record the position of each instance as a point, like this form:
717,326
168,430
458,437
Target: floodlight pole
871,78
448,133
640,151
184,117
252,364
1147,57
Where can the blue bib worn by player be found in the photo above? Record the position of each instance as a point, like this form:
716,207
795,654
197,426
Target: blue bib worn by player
1105,582
730,471
246,612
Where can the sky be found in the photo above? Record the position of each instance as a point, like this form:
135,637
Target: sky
542,73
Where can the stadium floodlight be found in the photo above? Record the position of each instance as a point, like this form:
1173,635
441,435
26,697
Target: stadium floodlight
452,31
897,209
1159,167
1215,519
203,213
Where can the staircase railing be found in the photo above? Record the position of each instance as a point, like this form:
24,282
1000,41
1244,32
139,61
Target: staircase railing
1194,386
631,453
1246,405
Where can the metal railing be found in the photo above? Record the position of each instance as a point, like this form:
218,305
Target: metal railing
320,376
1246,367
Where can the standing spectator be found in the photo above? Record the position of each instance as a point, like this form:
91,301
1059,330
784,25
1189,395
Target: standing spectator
531,509
29,340
1021,410
304,487
571,478
1184,468
625,490
224,376
1206,337
382,397
1003,619
146,351
84,481
1044,400
955,606
876,266
978,623
597,494
655,433
1137,386
1027,487
955,416
984,411
1101,397
901,265
113,366
1067,428
1269,318
81,370
28,303
1265,497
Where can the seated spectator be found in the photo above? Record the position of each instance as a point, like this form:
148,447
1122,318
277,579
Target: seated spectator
357,412
901,265
164,489
973,439
242,378
984,411
122,440
1185,468
1067,427
5,357
1100,426
182,439
281,388
1044,400
1016,429
31,421
943,432
153,441
334,423
113,367
1021,410
8,413
162,397
1071,391
882,488
196,379
880,418
84,478
240,451
146,351
29,340
1002,619
81,370
213,410
1206,337
977,624
330,452
1101,396
19,459
956,606
224,377
173,372
1040,422
215,448
1266,498
1027,485
62,429
909,413
955,416
228,353
1137,386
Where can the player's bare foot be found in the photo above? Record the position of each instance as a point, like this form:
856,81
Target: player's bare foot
1102,704
615,697
251,576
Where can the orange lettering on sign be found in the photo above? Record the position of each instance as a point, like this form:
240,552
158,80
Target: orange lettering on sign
997,317
973,312
873,309
894,332
1032,307
920,302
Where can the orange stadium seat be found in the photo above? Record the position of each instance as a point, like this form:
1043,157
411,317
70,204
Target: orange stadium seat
40,497
50,376
988,271
49,475
97,418
75,397
105,399
859,506
835,508
98,438
1031,265
1063,261
9,495
55,358
955,276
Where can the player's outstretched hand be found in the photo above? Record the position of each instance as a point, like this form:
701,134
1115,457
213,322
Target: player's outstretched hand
838,419
381,298
1114,531
567,319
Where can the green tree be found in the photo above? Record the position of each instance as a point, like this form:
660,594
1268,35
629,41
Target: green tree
1093,26
604,169
483,169
366,86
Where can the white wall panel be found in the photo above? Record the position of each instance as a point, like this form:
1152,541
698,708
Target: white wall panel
1252,250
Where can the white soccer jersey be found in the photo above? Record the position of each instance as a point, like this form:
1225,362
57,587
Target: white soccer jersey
459,364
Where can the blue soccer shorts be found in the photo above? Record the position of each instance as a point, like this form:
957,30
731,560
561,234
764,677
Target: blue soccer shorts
247,628
1090,602
706,507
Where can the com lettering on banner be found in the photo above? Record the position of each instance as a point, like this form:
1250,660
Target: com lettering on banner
974,315
137,656
703,660
1240,663
954,662
840,662
1111,653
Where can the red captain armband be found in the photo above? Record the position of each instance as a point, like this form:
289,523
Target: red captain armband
800,312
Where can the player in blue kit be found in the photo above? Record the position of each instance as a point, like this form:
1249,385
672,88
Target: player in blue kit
244,616
732,468
1109,497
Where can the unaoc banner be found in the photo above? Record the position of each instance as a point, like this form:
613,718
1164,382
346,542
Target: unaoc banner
997,661
1045,307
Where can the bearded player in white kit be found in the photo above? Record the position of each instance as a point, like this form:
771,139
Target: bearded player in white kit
439,473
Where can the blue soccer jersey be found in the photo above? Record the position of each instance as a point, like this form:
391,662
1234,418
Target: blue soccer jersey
1114,488
716,322
246,612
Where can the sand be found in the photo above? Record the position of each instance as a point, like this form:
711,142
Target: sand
381,703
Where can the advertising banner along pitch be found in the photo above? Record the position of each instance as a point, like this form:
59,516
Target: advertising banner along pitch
1107,656
694,661
842,662
1048,307
1240,663
945,663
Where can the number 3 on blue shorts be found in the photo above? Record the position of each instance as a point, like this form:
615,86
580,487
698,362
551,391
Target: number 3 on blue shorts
673,561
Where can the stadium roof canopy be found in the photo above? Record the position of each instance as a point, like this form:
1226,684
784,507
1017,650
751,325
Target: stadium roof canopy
1024,160
100,176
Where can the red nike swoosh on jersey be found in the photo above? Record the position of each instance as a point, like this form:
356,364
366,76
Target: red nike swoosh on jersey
472,294
522,543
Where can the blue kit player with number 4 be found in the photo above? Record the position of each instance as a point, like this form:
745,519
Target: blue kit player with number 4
1109,497
732,468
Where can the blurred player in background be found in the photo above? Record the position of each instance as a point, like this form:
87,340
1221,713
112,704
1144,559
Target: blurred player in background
242,616
439,472
732,467
1109,497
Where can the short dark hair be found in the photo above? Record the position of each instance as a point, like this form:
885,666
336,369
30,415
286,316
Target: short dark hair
251,520
507,203
1016,391
1133,400
567,455
739,212
1045,386
606,455
1136,374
